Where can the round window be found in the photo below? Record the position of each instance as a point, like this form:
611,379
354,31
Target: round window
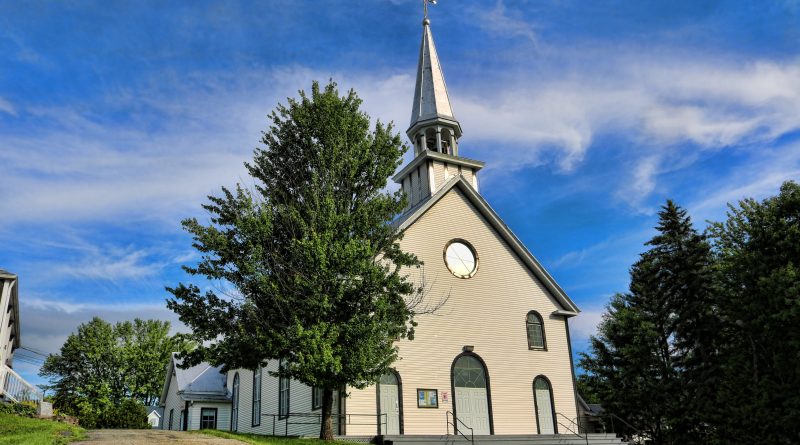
460,258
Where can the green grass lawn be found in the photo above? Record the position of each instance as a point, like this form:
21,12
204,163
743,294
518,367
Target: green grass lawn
23,430
256,439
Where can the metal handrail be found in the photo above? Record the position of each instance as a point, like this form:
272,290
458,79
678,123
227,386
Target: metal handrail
635,431
381,419
471,437
584,437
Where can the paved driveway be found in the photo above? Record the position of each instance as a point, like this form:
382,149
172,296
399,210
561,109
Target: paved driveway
146,437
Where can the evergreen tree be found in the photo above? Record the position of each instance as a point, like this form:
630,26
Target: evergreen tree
311,252
648,360
758,257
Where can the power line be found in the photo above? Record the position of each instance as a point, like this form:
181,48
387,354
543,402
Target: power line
35,351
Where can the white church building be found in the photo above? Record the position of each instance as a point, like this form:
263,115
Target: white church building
496,358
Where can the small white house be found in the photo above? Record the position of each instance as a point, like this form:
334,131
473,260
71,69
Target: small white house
194,398
154,415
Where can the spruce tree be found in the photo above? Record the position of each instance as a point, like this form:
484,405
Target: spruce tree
758,258
648,358
311,253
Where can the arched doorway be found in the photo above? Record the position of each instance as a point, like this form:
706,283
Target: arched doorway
471,393
235,404
545,408
390,404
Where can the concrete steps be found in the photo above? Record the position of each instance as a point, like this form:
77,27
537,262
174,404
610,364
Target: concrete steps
538,439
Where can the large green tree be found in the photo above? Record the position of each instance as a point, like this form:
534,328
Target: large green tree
102,366
318,277
758,257
648,362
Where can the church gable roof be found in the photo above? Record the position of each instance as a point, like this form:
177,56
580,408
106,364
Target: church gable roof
569,308
200,382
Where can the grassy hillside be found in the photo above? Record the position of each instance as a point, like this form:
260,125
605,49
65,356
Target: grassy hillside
23,430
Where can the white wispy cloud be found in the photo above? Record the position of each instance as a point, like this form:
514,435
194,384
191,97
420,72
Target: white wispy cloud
81,167
184,139
585,324
757,179
7,107
112,265
499,20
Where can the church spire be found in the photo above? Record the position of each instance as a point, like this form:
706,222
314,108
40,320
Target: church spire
433,125
434,131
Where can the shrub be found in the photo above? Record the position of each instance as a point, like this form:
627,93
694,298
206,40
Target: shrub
130,414
27,409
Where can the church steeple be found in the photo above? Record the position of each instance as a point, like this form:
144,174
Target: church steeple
433,125
434,131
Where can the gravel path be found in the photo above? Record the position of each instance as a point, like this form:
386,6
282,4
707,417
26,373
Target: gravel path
147,437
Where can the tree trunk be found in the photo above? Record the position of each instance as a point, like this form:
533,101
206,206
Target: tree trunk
326,426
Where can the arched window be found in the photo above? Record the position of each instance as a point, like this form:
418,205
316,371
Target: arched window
283,394
256,397
535,328
235,404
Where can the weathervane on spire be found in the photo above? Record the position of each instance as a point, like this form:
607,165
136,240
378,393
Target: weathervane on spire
425,7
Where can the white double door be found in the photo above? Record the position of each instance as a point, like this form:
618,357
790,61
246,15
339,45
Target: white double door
390,409
472,409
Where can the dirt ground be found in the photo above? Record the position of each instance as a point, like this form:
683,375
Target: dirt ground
147,437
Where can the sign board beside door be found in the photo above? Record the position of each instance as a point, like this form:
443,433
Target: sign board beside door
427,398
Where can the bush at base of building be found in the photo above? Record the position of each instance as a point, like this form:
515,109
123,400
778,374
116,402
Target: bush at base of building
27,409
128,414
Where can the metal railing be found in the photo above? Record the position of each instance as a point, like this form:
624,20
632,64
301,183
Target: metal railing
16,389
570,425
290,419
629,433
455,423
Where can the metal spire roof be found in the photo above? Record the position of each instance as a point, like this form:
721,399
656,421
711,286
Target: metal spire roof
430,94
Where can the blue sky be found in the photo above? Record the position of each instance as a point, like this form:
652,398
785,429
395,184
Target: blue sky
118,118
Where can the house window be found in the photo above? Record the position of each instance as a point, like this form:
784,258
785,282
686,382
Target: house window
283,394
316,397
235,404
535,328
171,412
208,419
257,397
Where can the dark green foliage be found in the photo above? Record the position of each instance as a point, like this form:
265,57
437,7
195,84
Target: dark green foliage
706,347
646,362
130,414
102,366
758,257
310,251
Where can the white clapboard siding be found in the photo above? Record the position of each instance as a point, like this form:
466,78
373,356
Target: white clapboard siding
299,402
487,311
223,414
174,403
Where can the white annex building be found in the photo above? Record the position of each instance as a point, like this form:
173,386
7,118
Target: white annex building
495,360
13,388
